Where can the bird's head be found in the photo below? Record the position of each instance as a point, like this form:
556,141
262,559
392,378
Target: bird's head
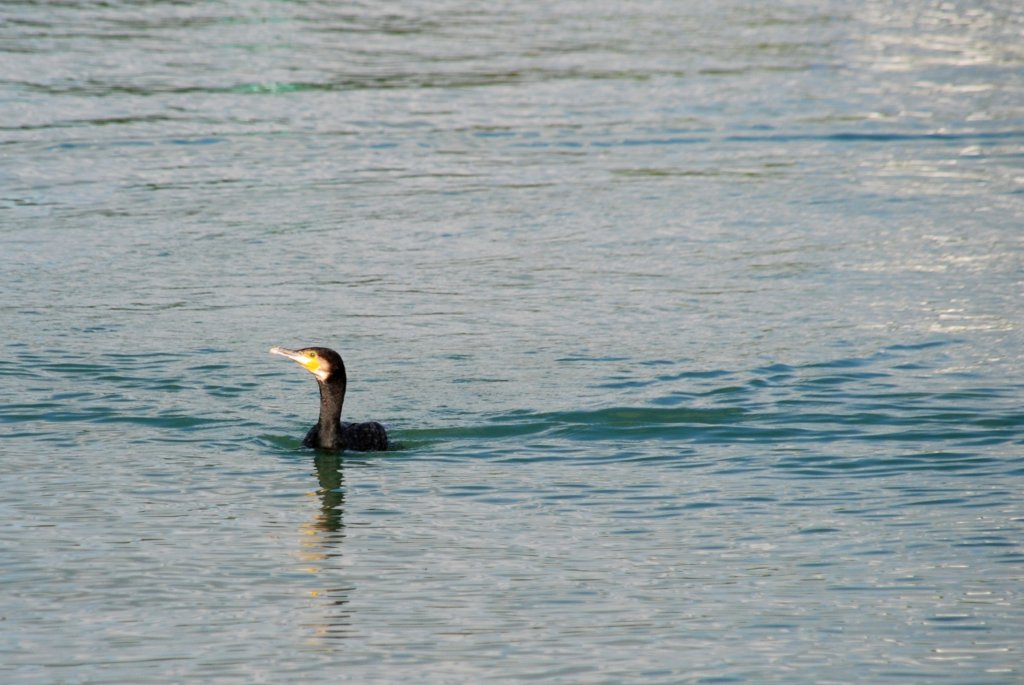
322,362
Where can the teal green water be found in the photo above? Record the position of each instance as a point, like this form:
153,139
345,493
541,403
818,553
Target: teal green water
697,328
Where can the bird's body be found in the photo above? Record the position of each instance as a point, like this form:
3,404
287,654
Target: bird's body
330,433
368,436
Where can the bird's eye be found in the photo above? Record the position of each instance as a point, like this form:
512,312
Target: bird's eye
312,355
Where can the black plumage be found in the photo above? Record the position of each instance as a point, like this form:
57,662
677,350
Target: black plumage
330,432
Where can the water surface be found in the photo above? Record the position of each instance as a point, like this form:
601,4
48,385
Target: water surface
697,327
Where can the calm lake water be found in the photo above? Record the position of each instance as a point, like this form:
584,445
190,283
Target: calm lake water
699,328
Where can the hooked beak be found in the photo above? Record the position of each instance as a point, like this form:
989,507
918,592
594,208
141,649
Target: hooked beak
311,364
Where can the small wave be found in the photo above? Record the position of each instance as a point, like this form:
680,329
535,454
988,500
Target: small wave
791,421
857,415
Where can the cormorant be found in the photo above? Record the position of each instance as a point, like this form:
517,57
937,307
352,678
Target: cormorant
330,432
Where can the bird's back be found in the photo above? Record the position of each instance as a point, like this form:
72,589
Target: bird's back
364,437
360,437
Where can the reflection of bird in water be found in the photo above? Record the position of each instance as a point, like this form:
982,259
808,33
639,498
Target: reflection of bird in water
330,432
332,497
320,548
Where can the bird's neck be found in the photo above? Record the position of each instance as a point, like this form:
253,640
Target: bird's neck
332,396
